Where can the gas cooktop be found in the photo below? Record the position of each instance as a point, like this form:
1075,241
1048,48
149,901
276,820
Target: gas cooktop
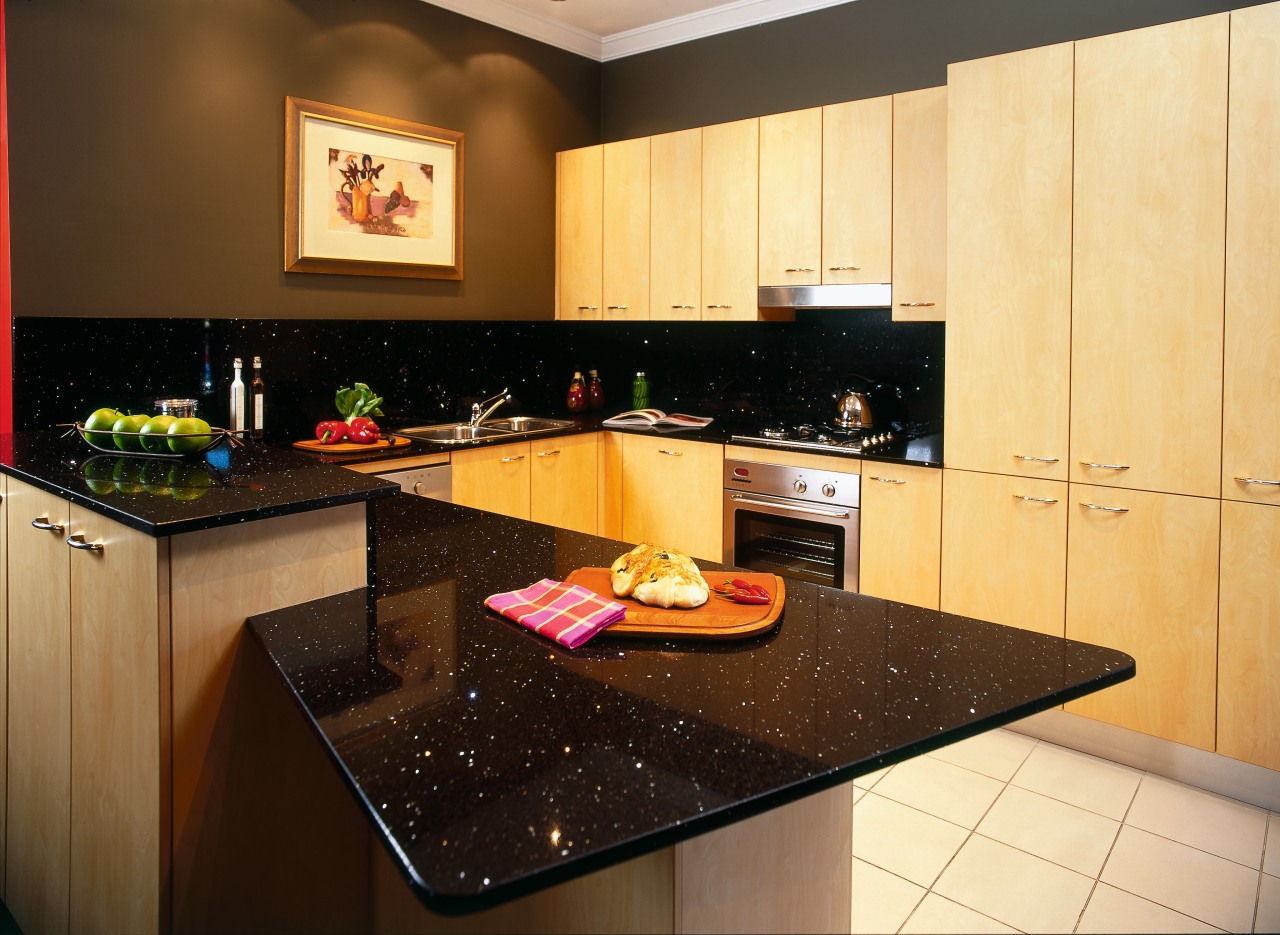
820,437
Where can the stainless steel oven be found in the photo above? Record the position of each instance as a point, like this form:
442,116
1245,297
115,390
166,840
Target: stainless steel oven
794,522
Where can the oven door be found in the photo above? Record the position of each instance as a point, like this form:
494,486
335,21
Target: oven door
810,542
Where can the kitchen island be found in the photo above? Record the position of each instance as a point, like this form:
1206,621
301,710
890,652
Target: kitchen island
634,783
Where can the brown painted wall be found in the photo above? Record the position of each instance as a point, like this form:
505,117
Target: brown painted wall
848,52
147,142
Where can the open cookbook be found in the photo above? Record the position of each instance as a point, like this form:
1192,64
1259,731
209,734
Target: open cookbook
656,418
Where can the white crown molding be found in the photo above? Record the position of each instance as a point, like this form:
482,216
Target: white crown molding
726,18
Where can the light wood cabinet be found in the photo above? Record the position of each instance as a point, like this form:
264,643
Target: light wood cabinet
1147,272
900,526
580,233
494,478
730,220
1009,187
1142,577
1251,377
562,482
675,234
857,191
791,198
920,205
1004,550
671,494
625,232
1249,634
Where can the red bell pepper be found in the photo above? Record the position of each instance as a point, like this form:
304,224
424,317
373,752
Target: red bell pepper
332,432
363,431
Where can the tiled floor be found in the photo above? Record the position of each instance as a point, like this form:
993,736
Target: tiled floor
1004,833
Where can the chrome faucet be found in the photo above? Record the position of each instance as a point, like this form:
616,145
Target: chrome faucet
479,413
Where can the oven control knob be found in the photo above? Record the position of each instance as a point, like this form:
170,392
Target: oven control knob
800,486
828,490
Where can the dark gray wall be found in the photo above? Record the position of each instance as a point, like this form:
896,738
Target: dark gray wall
147,144
848,52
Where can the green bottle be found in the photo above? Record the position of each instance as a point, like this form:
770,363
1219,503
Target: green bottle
640,392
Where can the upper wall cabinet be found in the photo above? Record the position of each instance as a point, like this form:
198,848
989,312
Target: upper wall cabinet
675,228
1251,381
1147,272
579,233
1009,263
920,205
730,220
626,230
857,191
791,198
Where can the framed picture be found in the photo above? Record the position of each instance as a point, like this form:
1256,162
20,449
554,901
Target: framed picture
370,196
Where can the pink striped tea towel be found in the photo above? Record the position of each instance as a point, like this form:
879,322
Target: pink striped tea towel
567,613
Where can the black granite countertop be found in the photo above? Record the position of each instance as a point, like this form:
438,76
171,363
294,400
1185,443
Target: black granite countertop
167,496
494,763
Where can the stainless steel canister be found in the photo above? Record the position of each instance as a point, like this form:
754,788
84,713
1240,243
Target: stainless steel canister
178,408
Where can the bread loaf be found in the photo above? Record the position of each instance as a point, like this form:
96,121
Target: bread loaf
659,577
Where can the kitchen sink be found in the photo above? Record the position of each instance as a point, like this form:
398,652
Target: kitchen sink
527,424
457,433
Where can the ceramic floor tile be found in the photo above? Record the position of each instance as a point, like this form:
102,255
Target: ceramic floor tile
1201,819
949,792
1271,862
867,780
1112,910
881,901
938,916
1268,919
902,840
1072,837
1014,887
997,753
1079,779
1201,885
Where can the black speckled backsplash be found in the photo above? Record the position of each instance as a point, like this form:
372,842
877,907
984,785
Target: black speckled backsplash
431,371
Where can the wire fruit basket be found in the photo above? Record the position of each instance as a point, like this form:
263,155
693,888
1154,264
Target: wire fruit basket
211,439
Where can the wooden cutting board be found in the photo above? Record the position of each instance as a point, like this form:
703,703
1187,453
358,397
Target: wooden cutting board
314,444
718,619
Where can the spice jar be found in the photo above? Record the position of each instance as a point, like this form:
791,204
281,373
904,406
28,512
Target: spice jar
577,398
595,391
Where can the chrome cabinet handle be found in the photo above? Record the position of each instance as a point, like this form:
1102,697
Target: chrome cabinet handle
43,523
588,308
1105,509
886,480
719,306
1034,458
1258,480
686,306
548,454
620,307
674,454
800,269
1105,467
841,269
509,460
915,304
76,541
1018,496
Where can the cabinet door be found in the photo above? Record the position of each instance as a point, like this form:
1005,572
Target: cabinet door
1142,577
1249,634
1004,550
562,482
900,533
494,479
119,825
580,233
672,494
857,191
675,236
920,205
791,198
38,870
626,230
1147,274
730,222
1009,263
1251,378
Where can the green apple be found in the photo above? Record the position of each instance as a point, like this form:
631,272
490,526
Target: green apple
188,435
129,423
97,428
154,434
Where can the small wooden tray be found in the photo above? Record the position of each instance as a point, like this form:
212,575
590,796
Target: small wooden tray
342,448
718,619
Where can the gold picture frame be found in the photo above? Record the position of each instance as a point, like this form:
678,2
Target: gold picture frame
367,195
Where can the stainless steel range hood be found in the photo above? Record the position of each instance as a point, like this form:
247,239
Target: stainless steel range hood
860,295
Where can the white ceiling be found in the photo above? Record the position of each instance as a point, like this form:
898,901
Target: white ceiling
607,29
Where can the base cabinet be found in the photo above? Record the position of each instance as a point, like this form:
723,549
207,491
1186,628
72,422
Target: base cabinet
900,549
562,482
671,494
494,479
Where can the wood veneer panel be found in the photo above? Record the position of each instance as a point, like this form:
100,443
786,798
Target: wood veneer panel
579,226
625,249
730,220
901,528
562,482
920,205
493,478
791,198
857,191
675,236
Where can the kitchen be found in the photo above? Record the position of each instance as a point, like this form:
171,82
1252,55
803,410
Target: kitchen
507,295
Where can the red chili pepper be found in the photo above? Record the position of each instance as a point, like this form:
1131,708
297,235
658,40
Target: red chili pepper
330,433
750,597
363,431
740,584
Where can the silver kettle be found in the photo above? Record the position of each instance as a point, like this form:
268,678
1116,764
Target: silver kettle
853,410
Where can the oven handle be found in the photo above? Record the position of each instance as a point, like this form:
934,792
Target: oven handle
789,507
